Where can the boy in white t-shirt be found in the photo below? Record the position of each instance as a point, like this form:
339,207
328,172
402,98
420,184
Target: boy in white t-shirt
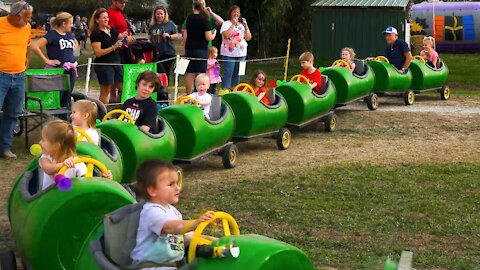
84,116
204,99
161,228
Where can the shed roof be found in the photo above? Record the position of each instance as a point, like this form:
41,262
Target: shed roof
361,3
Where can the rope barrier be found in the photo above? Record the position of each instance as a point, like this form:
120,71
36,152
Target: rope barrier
193,58
119,64
234,61
178,58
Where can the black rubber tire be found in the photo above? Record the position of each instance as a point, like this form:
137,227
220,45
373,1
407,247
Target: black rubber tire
180,177
18,128
7,260
409,97
331,122
283,138
229,156
445,93
372,102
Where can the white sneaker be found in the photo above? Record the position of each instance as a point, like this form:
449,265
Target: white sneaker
8,154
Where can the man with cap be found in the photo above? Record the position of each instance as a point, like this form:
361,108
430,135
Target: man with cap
397,52
14,43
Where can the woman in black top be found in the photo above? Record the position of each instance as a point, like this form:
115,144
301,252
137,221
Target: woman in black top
105,42
196,46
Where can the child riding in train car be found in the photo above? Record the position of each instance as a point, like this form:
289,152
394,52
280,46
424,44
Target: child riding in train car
431,58
59,149
310,72
204,99
142,107
84,115
259,86
348,54
161,229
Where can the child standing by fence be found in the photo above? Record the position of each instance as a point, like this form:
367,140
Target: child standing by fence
213,69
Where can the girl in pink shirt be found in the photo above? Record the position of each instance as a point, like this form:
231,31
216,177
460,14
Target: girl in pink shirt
213,69
428,48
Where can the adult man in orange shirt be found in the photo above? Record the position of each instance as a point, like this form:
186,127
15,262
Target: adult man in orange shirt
14,43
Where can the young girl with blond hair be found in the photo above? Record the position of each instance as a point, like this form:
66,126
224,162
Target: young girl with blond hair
432,59
84,117
348,55
59,149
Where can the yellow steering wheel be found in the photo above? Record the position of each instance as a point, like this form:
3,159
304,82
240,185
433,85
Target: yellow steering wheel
418,57
300,78
339,62
122,115
230,227
90,162
382,58
82,134
246,88
184,99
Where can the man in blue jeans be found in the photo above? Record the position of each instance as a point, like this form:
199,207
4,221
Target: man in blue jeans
14,43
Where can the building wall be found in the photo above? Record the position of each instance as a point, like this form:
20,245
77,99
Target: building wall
359,28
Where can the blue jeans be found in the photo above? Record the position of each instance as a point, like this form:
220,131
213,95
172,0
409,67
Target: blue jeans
12,98
230,76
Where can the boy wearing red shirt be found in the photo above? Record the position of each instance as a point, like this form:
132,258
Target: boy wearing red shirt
310,72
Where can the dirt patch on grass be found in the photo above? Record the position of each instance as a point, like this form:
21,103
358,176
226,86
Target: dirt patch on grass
385,138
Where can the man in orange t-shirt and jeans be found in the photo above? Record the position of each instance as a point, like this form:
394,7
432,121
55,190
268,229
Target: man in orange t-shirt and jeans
14,43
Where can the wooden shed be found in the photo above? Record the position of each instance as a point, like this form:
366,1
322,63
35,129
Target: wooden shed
356,23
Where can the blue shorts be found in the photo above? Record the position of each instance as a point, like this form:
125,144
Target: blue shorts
109,74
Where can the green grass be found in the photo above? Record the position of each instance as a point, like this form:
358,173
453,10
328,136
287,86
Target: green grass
464,70
354,216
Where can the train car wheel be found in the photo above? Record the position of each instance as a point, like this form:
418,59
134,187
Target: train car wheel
445,93
372,102
284,138
7,260
180,177
409,97
331,122
229,156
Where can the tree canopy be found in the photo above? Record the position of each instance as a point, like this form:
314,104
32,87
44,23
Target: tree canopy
272,22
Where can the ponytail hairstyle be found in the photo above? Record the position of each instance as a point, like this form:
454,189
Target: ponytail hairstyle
62,135
429,40
201,6
87,107
93,21
60,18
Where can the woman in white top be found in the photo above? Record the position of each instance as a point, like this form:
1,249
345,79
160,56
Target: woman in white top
235,34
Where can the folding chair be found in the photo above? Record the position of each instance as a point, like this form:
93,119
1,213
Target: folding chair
130,74
43,88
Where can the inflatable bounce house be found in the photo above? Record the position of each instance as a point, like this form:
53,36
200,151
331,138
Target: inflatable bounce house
454,25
